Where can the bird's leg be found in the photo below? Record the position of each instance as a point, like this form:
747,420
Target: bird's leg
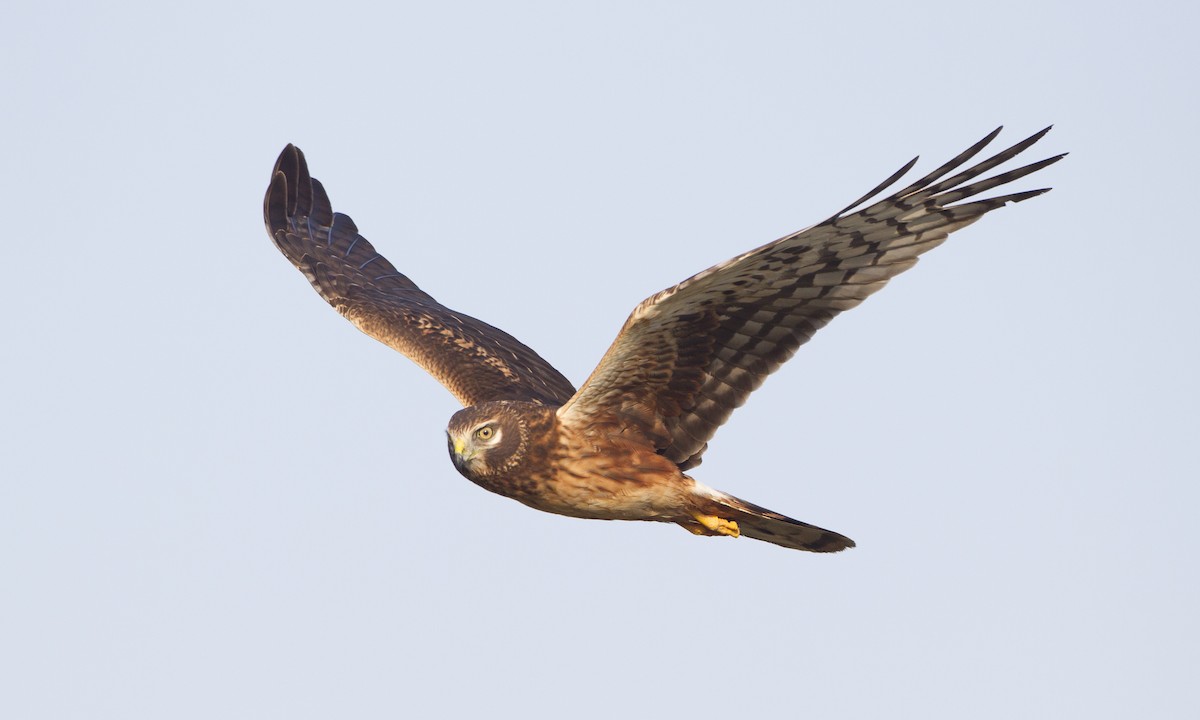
716,525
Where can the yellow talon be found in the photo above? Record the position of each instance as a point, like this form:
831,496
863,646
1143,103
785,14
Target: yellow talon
716,525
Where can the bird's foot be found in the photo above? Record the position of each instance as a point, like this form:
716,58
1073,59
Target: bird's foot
715,526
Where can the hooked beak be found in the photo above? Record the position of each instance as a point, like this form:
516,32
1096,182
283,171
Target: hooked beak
458,453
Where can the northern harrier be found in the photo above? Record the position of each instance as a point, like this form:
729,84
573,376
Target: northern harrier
617,448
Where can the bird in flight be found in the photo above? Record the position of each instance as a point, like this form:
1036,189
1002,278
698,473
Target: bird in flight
618,447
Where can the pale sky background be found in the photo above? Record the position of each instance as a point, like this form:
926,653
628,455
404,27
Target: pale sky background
220,500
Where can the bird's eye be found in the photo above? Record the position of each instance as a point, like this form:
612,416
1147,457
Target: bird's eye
485,433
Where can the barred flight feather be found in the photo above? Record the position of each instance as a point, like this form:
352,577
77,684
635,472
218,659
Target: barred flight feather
761,306
475,361
685,359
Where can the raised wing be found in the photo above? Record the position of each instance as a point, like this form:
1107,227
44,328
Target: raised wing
474,360
691,354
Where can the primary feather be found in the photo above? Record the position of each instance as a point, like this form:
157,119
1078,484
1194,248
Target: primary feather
475,361
684,360
688,356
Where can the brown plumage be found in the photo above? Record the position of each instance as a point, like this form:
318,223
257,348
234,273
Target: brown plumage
684,360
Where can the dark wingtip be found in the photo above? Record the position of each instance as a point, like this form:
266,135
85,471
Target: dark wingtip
878,188
1021,196
1029,141
289,193
275,201
288,153
322,209
290,158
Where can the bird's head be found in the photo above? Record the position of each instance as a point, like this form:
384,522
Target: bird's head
486,439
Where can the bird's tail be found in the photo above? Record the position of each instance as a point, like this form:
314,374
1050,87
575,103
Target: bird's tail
716,511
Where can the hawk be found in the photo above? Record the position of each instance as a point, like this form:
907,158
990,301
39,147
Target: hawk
618,447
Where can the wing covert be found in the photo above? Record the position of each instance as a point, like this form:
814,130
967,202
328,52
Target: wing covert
475,361
688,356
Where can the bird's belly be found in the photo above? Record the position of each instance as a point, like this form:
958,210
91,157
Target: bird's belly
600,486
609,488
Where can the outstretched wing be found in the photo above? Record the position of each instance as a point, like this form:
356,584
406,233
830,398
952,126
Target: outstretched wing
691,354
474,360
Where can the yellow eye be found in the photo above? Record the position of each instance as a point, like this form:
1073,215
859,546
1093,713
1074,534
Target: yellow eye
485,432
